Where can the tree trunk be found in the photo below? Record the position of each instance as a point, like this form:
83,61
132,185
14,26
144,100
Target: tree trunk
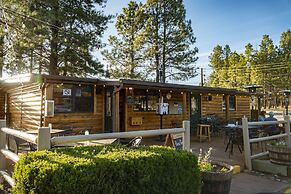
164,46
54,44
54,53
31,61
1,54
132,61
156,44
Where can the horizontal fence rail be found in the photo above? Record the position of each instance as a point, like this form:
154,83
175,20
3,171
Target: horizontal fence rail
259,139
79,138
7,177
260,123
259,155
21,134
8,154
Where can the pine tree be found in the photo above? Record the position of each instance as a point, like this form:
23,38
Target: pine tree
170,41
126,55
57,37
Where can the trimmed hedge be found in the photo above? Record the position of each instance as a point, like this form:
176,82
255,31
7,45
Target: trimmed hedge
107,169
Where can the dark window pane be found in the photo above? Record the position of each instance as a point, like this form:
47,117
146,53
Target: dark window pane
72,98
232,103
63,105
152,103
83,99
139,103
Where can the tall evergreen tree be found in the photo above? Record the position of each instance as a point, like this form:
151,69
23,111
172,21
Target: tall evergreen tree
126,58
170,41
216,62
57,35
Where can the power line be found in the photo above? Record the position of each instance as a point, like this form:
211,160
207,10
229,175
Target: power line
29,17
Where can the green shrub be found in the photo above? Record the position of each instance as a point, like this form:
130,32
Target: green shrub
107,169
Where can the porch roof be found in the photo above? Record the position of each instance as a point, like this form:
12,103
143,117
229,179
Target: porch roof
179,87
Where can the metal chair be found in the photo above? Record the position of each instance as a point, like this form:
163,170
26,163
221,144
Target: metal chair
135,142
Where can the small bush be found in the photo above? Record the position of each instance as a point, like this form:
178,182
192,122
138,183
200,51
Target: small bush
107,169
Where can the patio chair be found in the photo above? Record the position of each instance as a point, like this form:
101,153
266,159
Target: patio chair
135,142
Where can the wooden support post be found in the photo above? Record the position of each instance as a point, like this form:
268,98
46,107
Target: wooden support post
287,129
117,117
247,148
184,106
186,137
95,100
44,138
3,138
113,111
125,110
227,107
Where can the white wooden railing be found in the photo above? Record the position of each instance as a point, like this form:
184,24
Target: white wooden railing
44,141
247,141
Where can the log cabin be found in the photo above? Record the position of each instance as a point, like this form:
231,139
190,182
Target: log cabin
76,104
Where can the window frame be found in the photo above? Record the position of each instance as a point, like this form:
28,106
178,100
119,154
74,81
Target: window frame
230,108
74,98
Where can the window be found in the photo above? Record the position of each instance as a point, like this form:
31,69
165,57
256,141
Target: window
73,98
145,103
194,105
232,103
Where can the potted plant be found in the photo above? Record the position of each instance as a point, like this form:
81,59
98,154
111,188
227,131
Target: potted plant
216,176
279,153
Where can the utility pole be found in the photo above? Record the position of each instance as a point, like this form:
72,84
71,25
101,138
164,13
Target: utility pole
202,77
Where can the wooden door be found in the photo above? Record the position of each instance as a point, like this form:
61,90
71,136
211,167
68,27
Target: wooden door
195,110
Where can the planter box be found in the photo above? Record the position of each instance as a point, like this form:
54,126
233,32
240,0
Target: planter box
217,182
280,154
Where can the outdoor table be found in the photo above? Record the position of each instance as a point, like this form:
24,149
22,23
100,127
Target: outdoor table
235,135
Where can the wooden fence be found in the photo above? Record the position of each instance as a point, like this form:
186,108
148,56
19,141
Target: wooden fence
44,141
247,141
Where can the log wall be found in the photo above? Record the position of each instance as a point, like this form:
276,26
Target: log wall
24,107
78,122
151,120
214,107
2,104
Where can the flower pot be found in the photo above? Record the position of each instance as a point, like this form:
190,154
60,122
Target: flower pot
217,182
280,154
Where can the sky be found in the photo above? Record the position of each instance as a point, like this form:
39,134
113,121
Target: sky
232,22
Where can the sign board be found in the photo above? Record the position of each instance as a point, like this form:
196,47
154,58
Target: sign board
67,92
175,140
162,108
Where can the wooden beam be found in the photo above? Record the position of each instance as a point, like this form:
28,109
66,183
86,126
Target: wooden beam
125,110
227,107
184,105
117,117
95,100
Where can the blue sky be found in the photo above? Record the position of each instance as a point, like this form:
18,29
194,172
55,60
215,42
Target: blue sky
223,22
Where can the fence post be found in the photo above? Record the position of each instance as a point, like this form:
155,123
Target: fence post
2,146
44,138
186,126
3,138
246,138
287,129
